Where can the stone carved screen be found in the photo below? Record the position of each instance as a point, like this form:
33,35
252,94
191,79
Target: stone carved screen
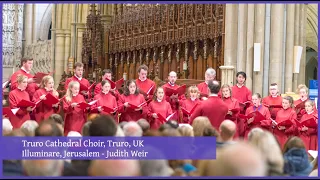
41,54
186,38
12,27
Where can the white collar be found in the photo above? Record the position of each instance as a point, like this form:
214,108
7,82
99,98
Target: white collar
142,80
193,99
74,95
310,113
240,86
213,95
20,88
304,99
159,100
274,96
47,89
23,69
171,84
78,77
104,93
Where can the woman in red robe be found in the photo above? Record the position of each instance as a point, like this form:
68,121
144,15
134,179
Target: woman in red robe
303,94
132,96
43,111
193,95
257,106
273,99
309,135
75,117
232,104
15,97
282,133
158,105
241,92
105,98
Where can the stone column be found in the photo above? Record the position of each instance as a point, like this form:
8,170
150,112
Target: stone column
242,37
230,49
296,41
59,56
67,50
260,13
227,75
289,48
73,29
276,44
80,31
250,36
34,23
28,25
302,39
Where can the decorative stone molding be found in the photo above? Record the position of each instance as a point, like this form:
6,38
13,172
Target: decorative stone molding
41,54
12,26
227,75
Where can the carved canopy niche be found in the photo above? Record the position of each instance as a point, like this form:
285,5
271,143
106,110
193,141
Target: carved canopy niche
186,38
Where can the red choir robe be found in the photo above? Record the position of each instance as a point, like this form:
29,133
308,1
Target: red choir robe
22,115
128,114
146,85
242,94
107,100
42,110
174,102
265,124
269,100
162,108
234,104
31,88
98,89
188,104
300,111
283,135
83,81
203,88
213,108
75,117
309,137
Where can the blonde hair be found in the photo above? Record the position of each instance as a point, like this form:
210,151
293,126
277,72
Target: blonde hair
303,86
45,80
310,102
69,92
20,78
186,131
199,124
267,144
226,86
193,89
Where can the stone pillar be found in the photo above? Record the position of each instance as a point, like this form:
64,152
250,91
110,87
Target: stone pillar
34,23
260,13
230,48
302,39
80,30
296,41
250,36
59,56
227,75
289,48
242,37
28,25
276,44
73,29
67,50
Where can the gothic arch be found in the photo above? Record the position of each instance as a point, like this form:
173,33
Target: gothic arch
45,23
312,27
310,69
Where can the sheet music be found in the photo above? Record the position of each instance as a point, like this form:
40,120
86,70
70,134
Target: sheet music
15,110
92,102
5,84
313,153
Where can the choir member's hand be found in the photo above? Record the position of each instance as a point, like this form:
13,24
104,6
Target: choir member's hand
250,120
88,108
30,109
304,128
126,104
282,128
55,105
154,115
43,97
31,80
74,105
230,113
204,98
274,123
100,109
174,96
138,109
113,90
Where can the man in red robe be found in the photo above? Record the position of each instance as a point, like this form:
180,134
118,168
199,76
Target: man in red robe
213,108
106,74
144,84
273,99
78,73
26,67
174,98
210,75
